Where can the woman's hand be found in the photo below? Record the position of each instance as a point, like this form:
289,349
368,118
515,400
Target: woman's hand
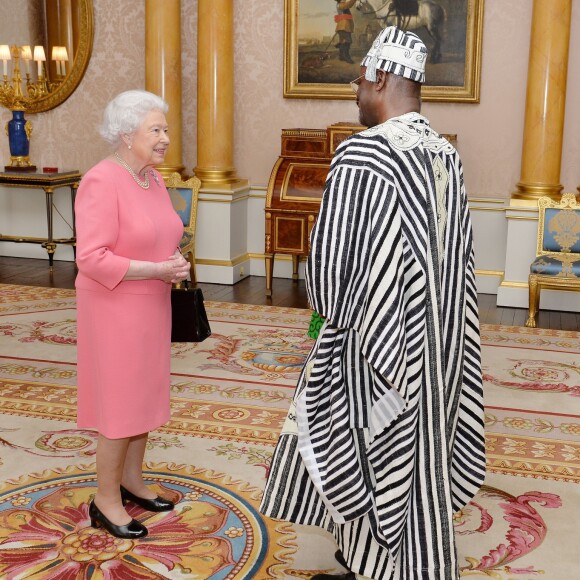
174,269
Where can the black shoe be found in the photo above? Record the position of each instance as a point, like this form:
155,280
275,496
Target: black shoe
132,530
157,504
347,576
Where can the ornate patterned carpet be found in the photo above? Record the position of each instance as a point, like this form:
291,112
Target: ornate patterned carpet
229,399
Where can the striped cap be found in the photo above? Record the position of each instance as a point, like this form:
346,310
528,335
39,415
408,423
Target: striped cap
399,52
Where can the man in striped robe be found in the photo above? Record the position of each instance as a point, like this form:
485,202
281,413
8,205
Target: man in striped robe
384,439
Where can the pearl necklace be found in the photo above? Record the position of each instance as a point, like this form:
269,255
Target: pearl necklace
141,183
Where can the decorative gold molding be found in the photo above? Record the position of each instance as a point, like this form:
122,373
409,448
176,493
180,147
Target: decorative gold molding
272,181
497,209
533,192
227,201
521,217
288,219
231,199
509,284
523,209
304,132
290,211
224,192
281,257
225,263
497,273
485,200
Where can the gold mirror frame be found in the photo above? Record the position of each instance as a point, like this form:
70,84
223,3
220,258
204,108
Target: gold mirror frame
80,64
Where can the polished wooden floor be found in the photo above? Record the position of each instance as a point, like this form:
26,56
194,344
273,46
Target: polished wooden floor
33,272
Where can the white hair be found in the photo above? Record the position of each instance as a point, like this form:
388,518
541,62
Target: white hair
125,113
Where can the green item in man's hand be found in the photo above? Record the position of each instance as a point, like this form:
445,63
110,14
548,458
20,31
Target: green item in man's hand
315,324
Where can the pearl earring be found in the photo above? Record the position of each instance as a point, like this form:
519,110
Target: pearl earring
129,146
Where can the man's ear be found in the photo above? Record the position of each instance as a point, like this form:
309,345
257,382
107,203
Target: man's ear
381,79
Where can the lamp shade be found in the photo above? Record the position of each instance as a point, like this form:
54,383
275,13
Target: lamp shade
39,53
59,53
4,52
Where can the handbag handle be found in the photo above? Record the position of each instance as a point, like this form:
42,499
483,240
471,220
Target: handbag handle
183,284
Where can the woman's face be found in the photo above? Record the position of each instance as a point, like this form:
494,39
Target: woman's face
149,142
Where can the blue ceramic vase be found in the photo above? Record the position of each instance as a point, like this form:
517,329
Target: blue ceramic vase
19,135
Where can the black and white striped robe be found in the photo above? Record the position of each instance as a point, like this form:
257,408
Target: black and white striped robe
384,439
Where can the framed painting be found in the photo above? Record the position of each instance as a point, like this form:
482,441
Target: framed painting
326,40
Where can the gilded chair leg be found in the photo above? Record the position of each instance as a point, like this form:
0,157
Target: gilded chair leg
534,301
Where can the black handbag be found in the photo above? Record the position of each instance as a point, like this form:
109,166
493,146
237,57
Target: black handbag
188,317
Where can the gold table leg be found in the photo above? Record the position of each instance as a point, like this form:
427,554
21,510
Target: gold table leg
295,262
49,245
269,258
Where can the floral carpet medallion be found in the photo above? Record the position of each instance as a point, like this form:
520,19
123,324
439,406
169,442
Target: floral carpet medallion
270,354
540,376
215,532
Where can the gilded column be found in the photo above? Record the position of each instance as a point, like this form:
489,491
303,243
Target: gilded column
215,94
163,70
545,100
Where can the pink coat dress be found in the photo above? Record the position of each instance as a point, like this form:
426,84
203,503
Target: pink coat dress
124,327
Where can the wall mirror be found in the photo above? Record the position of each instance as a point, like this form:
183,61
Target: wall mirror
63,29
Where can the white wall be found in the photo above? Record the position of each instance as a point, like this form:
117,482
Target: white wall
23,213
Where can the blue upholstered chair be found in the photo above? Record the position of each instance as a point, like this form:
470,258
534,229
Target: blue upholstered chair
557,264
184,196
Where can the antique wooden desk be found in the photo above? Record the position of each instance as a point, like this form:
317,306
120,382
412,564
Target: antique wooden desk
295,191
47,182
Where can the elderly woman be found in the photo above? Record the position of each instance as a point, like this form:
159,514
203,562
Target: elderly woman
127,257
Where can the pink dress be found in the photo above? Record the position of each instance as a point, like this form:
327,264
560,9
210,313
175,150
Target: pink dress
124,327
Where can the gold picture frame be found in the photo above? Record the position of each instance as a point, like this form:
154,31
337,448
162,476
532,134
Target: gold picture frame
313,70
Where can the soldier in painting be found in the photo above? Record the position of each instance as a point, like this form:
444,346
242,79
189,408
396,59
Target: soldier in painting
344,28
